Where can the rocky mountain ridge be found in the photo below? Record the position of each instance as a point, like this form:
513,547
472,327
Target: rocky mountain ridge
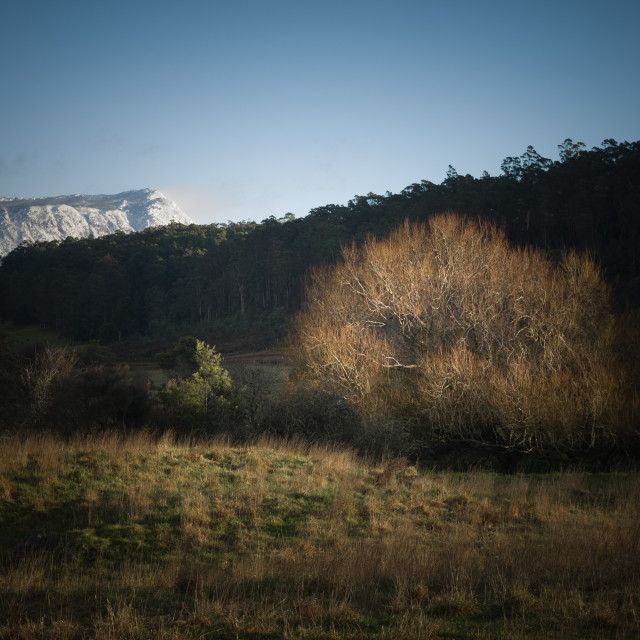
79,216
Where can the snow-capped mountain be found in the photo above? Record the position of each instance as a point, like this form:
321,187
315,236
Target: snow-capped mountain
44,219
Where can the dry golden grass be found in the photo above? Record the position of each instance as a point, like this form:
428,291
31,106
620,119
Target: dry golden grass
153,537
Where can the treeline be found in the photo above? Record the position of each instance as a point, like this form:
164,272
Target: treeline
221,278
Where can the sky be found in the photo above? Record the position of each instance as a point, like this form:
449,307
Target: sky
241,110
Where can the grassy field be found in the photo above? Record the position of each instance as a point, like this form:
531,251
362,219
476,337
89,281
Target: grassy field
26,337
140,536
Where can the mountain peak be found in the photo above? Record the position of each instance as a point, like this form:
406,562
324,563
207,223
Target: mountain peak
58,217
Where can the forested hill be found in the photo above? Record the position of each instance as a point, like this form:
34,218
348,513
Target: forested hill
221,278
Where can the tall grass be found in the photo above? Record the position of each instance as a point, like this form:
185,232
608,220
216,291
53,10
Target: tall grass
148,536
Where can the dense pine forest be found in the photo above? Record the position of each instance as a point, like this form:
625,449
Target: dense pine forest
220,279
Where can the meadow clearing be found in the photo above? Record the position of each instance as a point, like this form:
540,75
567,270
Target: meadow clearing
144,535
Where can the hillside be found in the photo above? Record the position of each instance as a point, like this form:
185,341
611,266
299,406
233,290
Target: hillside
81,216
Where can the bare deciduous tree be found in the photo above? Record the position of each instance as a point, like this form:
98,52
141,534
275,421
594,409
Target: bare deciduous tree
470,337
49,367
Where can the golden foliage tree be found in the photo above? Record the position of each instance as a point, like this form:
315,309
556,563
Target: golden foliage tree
468,338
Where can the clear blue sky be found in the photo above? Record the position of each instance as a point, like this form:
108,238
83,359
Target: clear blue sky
246,109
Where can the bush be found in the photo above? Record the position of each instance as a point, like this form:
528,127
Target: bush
201,401
65,390
95,354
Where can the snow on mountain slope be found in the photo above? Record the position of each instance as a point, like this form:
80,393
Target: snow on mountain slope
44,219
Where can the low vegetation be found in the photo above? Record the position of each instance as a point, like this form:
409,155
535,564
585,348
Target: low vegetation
145,536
